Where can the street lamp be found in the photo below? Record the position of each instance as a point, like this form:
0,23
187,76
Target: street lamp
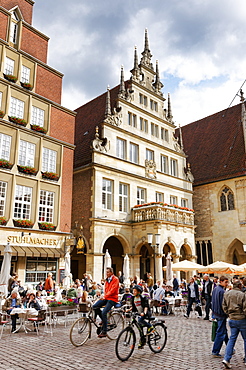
155,248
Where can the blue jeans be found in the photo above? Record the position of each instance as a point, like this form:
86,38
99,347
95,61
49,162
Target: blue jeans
221,336
237,326
103,314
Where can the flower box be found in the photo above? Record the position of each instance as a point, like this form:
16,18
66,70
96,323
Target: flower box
50,176
10,77
23,223
46,226
5,164
2,114
26,85
27,170
39,129
17,120
3,221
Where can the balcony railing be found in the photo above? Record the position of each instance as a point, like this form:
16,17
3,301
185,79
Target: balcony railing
163,212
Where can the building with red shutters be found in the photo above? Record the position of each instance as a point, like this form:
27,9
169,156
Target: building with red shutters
36,149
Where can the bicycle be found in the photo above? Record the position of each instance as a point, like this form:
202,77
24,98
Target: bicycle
126,340
81,329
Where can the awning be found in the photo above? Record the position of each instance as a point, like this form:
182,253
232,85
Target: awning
18,251
34,251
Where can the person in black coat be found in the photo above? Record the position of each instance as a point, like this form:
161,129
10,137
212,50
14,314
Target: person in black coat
207,294
193,297
33,303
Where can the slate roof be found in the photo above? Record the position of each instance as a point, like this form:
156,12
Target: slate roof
215,146
88,117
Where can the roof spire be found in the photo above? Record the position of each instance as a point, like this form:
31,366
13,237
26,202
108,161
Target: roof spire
122,90
108,104
241,95
157,84
169,109
135,71
146,54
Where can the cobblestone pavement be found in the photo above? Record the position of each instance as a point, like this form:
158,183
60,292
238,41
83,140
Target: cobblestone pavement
188,348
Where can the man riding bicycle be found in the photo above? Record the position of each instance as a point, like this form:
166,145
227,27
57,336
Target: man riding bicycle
110,299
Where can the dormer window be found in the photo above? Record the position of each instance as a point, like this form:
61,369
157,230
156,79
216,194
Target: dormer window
15,18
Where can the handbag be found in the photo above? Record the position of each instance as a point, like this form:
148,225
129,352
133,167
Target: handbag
214,330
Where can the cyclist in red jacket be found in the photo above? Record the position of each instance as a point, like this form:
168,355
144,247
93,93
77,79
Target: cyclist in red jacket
110,299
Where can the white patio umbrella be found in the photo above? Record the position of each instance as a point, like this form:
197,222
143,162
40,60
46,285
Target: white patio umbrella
185,266
67,273
169,271
107,262
220,267
5,271
126,271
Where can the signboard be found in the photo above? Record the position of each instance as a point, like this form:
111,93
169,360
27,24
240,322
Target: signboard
61,275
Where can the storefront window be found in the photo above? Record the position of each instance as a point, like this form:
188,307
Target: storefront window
37,269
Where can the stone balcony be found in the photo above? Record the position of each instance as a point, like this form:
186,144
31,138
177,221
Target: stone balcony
163,212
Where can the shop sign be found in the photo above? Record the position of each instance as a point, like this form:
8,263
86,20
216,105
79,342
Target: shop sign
32,240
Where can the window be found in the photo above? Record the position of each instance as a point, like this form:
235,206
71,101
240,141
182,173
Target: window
164,164
140,98
226,200
16,108
166,136
129,119
133,153
146,125
152,129
37,269
37,116
3,191
174,167
184,203
155,106
159,197
107,192
23,197
134,120
145,101
49,160
149,155
123,197
26,153
156,131
151,103
5,144
9,66
173,200
140,196
120,148
14,28
141,124
25,74
46,206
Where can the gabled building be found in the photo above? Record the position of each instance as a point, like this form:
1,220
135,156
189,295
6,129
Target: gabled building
36,149
216,150
130,178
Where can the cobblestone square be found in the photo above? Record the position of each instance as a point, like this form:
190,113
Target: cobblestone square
188,348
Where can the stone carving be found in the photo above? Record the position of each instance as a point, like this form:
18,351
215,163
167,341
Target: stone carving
115,118
188,174
100,145
150,169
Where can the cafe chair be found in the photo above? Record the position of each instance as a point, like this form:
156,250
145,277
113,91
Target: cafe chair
4,322
40,318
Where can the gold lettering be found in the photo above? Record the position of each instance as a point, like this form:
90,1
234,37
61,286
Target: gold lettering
9,238
55,242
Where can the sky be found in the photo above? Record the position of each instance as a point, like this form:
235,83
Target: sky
200,46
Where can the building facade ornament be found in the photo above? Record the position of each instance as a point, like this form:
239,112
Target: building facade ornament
99,145
150,169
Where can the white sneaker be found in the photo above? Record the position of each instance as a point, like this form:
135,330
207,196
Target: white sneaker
226,364
186,316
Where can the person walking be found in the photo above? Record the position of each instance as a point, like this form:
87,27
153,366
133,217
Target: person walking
193,297
220,316
207,294
234,305
49,284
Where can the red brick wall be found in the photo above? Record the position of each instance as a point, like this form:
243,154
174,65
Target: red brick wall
48,84
34,45
3,26
62,125
81,210
66,191
25,8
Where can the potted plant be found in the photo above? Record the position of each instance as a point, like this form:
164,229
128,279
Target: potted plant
23,223
46,226
5,164
27,170
2,114
3,221
26,85
17,120
10,77
50,176
39,129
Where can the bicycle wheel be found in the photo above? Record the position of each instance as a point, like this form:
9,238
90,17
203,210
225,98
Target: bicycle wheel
157,340
125,344
80,331
115,325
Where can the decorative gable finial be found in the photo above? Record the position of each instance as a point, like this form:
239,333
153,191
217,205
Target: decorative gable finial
189,175
241,96
146,54
108,104
122,91
157,84
136,70
169,109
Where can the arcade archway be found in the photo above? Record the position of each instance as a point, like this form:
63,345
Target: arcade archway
144,261
116,252
78,263
235,253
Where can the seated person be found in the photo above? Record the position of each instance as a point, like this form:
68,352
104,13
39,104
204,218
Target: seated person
72,292
126,298
33,302
140,304
10,303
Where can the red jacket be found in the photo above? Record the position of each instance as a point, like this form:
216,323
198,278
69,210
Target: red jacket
111,290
